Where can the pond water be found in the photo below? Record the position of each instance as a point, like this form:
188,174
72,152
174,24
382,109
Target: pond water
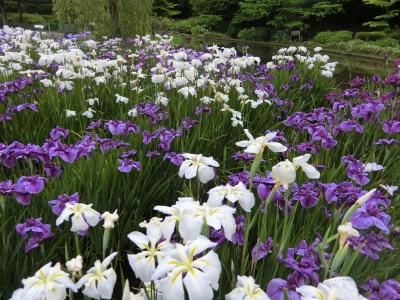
348,66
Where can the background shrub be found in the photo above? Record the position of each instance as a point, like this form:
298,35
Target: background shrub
387,42
13,18
370,35
253,34
195,24
333,36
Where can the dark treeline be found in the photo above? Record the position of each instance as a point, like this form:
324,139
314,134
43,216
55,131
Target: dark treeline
271,18
246,19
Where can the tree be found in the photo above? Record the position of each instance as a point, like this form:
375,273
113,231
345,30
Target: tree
165,8
383,20
107,17
20,11
3,12
113,8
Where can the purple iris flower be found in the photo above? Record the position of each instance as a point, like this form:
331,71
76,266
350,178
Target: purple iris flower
94,124
217,236
277,286
260,250
152,154
167,136
174,158
307,194
238,236
126,165
58,132
304,261
6,187
152,110
148,137
128,154
387,142
188,123
387,290
107,144
118,127
370,215
24,106
371,244
246,157
342,193
376,79
319,133
30,184
202,109
307,147
58,204
355,170
391,126
308,85
26,186
347,126
39,232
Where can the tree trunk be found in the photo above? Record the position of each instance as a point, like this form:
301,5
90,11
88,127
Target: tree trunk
3,12
114,15
21,17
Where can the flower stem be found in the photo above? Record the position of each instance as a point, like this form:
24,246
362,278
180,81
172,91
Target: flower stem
78,250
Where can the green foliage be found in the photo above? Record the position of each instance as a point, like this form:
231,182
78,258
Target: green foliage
255,10
164,8
382,21
107,17
199,23
13,18
380,3
387,42
332,36
370,35
213,7
365,47
281,36
323,9
134,17
253,34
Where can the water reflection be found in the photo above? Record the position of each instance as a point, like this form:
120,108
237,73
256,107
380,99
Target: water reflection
348,66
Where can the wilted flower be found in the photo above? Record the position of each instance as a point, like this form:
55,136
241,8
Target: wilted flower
345,231
109,219
284,173
75,264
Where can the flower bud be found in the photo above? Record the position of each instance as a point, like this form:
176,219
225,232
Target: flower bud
109,219
364,198
75,264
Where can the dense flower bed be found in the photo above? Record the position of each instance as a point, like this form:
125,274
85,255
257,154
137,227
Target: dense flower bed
133,169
